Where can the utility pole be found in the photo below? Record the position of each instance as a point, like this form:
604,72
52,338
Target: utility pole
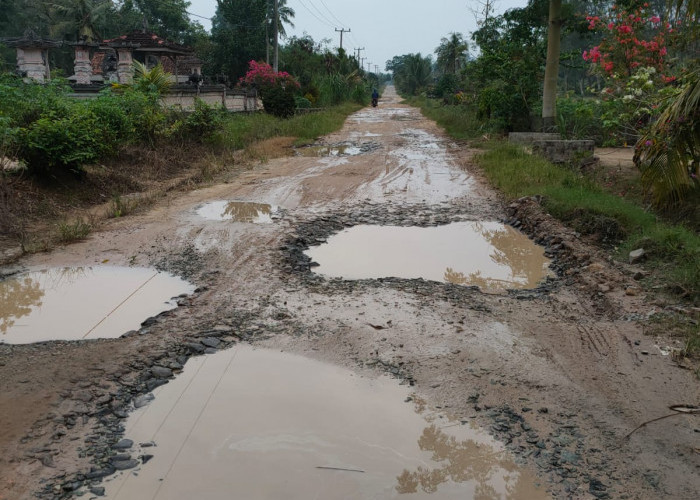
362,64
275,32
369,67
341,31
376,69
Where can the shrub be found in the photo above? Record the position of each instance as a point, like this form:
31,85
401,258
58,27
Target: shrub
279,101
302,102
53,145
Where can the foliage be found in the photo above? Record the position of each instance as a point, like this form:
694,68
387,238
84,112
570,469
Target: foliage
238,33
57,144
277,89
669,153
452,54
155,80
505,80
412,73
632,39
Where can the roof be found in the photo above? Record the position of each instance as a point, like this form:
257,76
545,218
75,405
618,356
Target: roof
31,40
144,41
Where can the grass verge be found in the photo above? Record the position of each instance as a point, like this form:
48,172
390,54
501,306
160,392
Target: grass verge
240,131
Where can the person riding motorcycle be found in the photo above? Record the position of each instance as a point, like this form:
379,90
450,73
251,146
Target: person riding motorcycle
375,98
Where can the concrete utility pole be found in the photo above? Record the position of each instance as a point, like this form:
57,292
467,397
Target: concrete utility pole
362,63
358,50
275,32
376,69
341,31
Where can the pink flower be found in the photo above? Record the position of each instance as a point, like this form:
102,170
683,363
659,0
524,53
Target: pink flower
655,19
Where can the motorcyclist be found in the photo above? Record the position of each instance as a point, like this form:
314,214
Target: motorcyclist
375,97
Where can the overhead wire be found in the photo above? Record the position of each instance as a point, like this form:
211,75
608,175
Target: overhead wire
330,25
321,13
342,24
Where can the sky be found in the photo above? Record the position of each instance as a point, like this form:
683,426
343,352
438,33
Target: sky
385,28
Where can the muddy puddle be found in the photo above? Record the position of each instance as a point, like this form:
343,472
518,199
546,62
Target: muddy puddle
344,149
490,255
83,302
238,211
261,424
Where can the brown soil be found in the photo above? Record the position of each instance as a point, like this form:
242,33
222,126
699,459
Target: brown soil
561,374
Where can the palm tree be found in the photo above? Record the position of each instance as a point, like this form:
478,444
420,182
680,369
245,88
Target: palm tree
452,53
82,18
669,154
285,14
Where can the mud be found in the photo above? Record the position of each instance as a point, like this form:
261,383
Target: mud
78,303
489,255
302,430
559,374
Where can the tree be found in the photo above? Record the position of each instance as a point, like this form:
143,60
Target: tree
167,18
551,72
79,19
238,32
285,15
412,72
452,53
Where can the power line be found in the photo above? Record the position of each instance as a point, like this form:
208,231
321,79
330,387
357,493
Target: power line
333,15
320,13
330,25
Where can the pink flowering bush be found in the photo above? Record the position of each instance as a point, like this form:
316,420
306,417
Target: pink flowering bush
277,89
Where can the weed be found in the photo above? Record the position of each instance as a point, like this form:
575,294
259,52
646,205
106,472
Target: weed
73,231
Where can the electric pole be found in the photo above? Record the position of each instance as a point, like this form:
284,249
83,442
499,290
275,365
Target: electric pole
362,63
376,69
358,50
275,32
341,31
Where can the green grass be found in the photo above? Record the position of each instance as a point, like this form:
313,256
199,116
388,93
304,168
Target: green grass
673,251
458,121
239,130
73,231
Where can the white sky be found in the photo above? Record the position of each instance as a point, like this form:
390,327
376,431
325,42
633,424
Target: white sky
386,28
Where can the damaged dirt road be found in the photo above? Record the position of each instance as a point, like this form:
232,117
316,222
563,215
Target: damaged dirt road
559,374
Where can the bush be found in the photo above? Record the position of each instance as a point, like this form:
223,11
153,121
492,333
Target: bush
53,145
279,101
302,102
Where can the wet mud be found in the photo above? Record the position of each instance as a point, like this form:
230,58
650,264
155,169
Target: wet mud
557,374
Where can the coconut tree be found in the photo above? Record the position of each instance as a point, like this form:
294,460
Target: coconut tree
81,18
452,53
285,14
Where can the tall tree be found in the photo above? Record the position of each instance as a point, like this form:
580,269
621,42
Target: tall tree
551,72
167,18
238,32
285,14
452,53
79,19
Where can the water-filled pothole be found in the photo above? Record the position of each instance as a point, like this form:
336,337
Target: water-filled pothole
342,149
77,303
266,424
490,255
238,211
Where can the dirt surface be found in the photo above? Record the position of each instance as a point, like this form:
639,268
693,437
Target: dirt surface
561,374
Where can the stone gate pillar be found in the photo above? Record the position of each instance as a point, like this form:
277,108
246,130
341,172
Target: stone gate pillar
125,66
82,66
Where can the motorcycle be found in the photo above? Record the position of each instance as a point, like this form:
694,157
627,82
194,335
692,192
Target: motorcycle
375,101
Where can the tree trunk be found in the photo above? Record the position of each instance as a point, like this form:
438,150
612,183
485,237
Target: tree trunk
551,72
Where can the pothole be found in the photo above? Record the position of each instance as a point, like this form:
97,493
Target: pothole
490,255
266,424
76,303
238,211
341,149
